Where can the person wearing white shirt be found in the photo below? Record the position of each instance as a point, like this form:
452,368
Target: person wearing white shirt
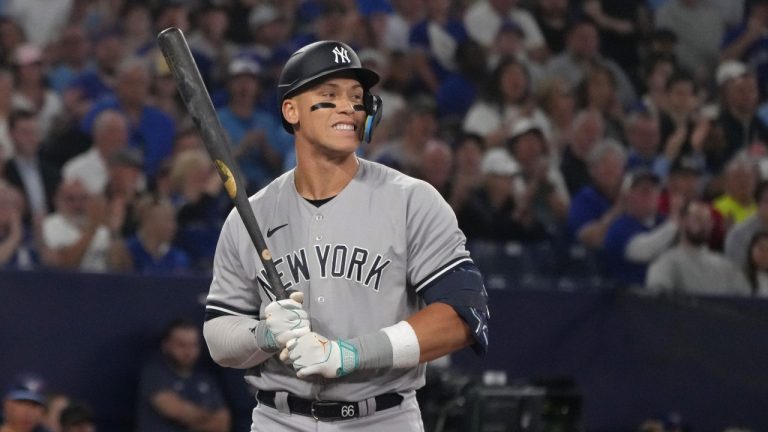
485,17
110,134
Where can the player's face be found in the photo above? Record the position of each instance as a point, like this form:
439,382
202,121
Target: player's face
330,116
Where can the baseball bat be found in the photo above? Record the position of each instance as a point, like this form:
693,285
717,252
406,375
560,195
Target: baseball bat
174,46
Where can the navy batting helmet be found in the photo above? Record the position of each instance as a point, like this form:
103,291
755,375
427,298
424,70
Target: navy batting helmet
315,61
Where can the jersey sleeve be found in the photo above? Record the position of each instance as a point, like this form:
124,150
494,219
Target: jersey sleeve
231,292
436,245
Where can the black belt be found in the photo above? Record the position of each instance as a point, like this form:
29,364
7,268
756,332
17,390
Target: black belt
323,410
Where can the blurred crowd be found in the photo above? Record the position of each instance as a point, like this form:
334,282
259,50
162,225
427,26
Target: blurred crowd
636,130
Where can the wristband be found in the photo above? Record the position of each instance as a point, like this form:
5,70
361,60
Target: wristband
405,345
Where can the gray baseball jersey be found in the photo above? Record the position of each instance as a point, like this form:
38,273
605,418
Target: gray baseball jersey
360,259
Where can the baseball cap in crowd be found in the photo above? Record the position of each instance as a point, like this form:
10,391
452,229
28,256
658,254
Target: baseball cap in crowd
730,69
243,66
509,25
27,54
642,176
27,387
523,126
262,14
687,165
128,156
498,161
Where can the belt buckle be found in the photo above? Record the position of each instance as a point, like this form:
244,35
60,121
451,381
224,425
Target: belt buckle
347,410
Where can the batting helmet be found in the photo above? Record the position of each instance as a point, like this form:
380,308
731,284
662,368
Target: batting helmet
315,61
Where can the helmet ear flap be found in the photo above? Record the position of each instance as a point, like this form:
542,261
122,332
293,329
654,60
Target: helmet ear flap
373,110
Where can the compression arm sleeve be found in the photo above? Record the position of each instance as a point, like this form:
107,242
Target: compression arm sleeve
232,343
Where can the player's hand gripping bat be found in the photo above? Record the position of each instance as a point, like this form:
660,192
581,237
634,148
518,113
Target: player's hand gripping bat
198,102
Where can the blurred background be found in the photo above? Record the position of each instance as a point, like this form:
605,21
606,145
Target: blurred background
607,160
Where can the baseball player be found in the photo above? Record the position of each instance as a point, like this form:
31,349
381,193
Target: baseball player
381,280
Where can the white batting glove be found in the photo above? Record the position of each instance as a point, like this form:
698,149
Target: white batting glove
313,354
286,319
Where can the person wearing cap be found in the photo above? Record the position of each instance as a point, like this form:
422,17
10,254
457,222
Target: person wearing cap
348,347
741,127
491,212
540,187
690,268
258,142
31,92
208,42
484,18
24,405
639,235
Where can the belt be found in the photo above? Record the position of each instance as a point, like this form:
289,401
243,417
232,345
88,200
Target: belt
324,410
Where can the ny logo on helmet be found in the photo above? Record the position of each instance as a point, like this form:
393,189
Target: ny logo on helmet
340,55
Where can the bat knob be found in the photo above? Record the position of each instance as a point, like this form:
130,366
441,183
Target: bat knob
297,296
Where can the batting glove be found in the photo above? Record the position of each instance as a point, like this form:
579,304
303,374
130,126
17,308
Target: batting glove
313,354
285,320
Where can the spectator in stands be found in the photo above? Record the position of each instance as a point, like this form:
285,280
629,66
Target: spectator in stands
405,153
756,268
150,129
31,92
77,417
97,80
657,71
81,233
26,171
677,121
643,139
24,405
699,29
484,18
737,238
196,195
110,135
6,93
270,32
164,93
437,166
73,49
136,29
491,213
507,98
639,235
540,187
213,51
16,240
433,60
55,405
597,92
553,17
458,90
738,115
11,36
151,249
259,143
585,132
583,48
749,42
126,182
558,103
738,200
622,27
175,393
393,116
690,267
41,23
595,206
467,175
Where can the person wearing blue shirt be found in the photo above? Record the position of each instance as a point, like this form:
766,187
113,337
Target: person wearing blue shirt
150,249
749,42
175,394
259,143
151,130
640,234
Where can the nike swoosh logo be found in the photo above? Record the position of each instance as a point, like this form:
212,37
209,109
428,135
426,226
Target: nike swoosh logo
273,230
